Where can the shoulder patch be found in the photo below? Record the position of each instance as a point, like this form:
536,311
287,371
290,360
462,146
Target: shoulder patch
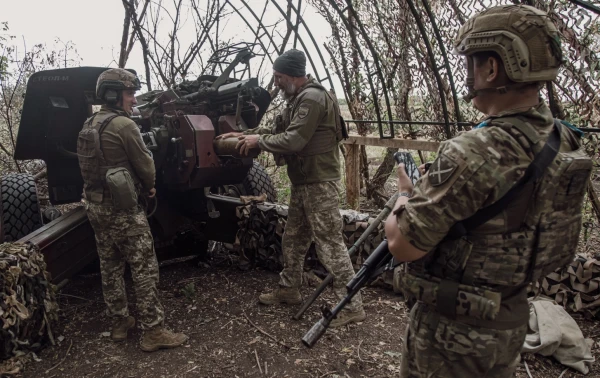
303,111
441,170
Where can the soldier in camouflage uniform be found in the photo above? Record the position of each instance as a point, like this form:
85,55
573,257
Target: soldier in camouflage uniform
306,137
471,262
111,139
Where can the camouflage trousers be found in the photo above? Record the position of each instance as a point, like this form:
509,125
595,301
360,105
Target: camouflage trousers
435,346
123,236
313,215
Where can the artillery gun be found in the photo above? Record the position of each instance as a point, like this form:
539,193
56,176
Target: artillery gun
199,179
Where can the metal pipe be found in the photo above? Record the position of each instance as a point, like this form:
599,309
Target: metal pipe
304,45
312,38
438,78
438,36
587,5
409,122
365,62
378,69
253,30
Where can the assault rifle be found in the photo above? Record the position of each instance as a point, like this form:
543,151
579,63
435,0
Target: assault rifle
379,261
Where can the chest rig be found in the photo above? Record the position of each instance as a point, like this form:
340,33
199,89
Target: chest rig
325,139
92,162
467,272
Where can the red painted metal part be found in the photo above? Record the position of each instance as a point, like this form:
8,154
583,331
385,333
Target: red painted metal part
67,243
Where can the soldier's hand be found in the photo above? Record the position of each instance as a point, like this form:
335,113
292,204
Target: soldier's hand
423,168
246,143
152,193
233,134
404,182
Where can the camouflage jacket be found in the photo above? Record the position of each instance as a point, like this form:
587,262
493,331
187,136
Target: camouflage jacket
472,171
309,118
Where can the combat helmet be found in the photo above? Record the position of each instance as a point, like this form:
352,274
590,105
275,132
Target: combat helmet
112,81
524,37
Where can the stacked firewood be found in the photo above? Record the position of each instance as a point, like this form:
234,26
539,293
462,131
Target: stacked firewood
261,227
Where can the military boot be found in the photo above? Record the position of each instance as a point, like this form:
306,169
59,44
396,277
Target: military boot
120,328
346,317
287,295
161,338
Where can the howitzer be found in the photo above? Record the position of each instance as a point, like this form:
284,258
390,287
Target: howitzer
374,265
198,179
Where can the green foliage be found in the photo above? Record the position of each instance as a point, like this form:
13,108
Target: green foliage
17,64
189,291
278,175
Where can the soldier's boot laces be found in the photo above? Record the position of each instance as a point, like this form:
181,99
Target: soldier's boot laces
281,295
120,328
161,338
346,317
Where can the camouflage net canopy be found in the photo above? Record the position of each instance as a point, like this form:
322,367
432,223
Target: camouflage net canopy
28,307
412,85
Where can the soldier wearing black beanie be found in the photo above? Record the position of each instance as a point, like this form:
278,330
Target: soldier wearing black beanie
291,63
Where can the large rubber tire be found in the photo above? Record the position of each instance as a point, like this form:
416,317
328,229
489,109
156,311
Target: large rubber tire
20,214
257,182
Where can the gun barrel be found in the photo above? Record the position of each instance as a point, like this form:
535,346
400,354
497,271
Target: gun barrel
314,334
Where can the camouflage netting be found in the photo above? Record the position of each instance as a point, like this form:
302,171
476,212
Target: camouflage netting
261,226
576,287
28,307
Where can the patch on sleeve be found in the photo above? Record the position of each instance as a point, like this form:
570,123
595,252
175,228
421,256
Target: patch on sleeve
303,111
441,170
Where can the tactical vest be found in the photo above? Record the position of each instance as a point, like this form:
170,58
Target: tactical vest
468,272
92,163
324,139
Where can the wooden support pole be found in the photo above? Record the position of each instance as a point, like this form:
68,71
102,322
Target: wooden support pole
594,199
353,176
353,159
406,144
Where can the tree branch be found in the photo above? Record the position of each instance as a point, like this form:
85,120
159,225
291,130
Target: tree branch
126,23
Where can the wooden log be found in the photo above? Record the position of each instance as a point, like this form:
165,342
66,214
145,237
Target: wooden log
593,199
353,177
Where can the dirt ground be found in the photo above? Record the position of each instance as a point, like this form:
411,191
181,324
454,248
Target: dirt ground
231,335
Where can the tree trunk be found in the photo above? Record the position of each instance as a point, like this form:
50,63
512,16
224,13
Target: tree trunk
126,22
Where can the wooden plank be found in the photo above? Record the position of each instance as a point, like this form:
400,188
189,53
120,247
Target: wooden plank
353,176
407,144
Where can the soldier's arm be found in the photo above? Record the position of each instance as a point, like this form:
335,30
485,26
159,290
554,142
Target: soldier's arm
468,175
138,154
261,130
305,119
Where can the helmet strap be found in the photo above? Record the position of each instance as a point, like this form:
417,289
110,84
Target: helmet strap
472,92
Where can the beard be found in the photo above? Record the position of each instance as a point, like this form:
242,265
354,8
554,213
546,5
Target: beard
289,91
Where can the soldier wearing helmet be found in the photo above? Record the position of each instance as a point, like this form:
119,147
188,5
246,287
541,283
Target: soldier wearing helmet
116,167
499,208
